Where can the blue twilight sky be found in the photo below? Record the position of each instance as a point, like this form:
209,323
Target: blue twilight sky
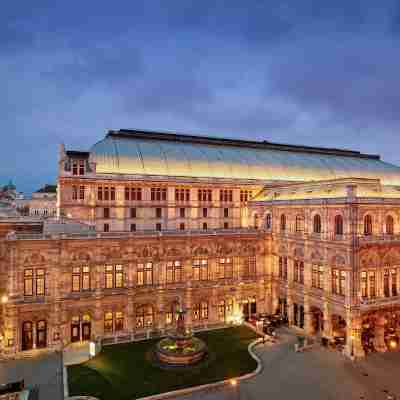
307,72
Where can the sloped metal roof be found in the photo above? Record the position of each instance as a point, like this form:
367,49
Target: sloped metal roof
142,155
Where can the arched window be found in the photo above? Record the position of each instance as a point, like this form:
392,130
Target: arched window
268,221
389,225
283,222
338,225
367,225
299,223
317,223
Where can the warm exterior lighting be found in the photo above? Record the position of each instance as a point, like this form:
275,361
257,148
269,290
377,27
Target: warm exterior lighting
236,318
393,344
233,382
4,299
92,349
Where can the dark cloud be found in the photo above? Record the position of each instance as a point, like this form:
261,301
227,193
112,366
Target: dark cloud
311,72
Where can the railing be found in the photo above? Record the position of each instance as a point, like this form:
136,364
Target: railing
146,233
380,301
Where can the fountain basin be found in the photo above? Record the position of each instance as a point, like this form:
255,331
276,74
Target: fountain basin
180,350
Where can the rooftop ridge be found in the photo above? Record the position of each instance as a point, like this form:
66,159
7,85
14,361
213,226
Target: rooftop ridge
212,140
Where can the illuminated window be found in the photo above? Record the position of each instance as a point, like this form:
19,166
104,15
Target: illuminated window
249,267
109,276
28,282
364,289
145,274
40,282
200,269
119,276
200,311
174,272
108,322
76,279
119,321
317,276
225,268
299,223
144,316
393,276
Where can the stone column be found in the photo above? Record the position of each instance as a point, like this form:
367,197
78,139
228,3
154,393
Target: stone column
327,320
307,316
353,336
290,309
130,322
98,318
262,297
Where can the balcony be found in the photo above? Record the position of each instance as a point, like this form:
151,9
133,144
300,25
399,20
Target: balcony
362,239
379,302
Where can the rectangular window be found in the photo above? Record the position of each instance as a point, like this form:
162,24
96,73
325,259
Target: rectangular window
109,274
158,227
81,192
158,212
226,212
108,322
100,193
81,167
106,228
106,193
76,279
200,269
28,282
133,212
249,267
314,276
245,195
386,284
226,195
133,227
205,227
182,212
40,282
158,194
335,281
112,193
136,194
145,274
74,192
106,213
296,271
301,273
85,278
75,167
225,268
119,276
205,212
226,225
394,282
372,284
182,226
204,195
182,195
174,272
127,194
342,284
119,321
364,290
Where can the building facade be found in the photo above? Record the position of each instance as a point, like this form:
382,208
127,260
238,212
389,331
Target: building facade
227,228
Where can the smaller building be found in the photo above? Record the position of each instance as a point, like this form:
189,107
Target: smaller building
43,203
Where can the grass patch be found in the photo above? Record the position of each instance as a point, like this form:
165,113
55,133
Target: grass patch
123,371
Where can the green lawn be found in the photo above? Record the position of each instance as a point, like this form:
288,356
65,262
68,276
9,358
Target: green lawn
123,371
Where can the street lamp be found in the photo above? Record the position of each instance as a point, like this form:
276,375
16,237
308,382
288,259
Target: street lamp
4,299
352,346
235,384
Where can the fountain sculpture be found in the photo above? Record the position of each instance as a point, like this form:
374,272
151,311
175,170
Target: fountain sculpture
181,348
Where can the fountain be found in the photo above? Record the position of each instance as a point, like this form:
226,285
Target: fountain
181,348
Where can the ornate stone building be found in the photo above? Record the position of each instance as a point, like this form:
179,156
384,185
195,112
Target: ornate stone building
225,227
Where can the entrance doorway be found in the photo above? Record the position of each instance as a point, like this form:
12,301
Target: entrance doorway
249,308
27,336
81,329
86,327
41,334
75,329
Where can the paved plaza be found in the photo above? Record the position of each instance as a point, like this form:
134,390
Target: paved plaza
43,371
317,374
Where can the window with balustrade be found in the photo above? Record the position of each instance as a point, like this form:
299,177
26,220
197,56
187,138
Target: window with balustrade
80,278
317,276
114,276
182,194
158,194
133,193
283,223
389,225
200,311
144,316
226,195
317,224
367,225
338,225
225,268
204,195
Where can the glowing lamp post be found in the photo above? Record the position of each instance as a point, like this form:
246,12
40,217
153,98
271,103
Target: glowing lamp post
235,385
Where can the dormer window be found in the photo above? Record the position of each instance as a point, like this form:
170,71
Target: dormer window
78,167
